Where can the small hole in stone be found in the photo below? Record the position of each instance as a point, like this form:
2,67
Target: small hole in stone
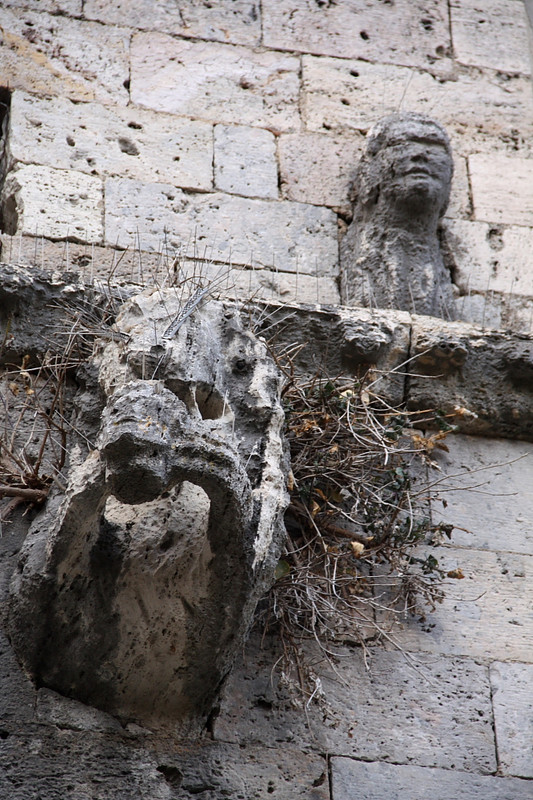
344,101
126,84
70,141
135,125
364,36
354,73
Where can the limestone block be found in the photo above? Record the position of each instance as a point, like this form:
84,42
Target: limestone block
487,615
502,189
289,236
489,257
71,8
490,373
460,204
61,203
484,310
316,168
483,111
236,22
432,711
245,161
491,34
498,513
224,83
149,567
404,32
56,55
374,781
513,717
104,140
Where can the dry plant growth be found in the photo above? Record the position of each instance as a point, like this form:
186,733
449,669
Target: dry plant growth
354,522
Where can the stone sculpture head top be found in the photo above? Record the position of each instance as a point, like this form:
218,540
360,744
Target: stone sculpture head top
406,170
391,257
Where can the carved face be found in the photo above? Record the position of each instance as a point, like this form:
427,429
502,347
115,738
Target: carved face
408,166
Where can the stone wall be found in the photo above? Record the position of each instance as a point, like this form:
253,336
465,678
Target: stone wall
231,130
228,133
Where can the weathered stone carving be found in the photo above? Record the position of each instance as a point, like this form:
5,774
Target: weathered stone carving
135,590
390,256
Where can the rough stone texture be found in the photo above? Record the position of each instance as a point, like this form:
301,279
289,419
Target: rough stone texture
61,203
245,161
71,8
375,781
484,112
56,55
488,614
502,188
318,169
491,34
221,82
149,568
237,22
390,256
513,717
405,32
438,713
486,372
288,236
486,257
497,514
100,140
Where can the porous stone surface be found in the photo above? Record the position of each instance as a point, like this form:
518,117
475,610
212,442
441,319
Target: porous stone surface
374,781
364,30
50,54
245,161
493,34
390,256
149,568
513,716
237,22
64,203
288,236
222,82
104,140
502,189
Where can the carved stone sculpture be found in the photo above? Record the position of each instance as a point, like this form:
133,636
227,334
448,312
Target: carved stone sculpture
390,256
135,589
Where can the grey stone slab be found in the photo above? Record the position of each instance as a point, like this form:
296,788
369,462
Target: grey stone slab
407,32
488,614
56,55
237,21
491,34
502,189
426,710
288,236
104,140
512,699
207,80
483,486
373,781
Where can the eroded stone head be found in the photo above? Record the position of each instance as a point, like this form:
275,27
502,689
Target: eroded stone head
135,589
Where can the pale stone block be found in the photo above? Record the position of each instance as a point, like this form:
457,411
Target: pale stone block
291,237
498,513
72,8
408,32
375,781
434,711
56,55
488,112
236,22
484,310
490,257
460,204
245,161
225,83
512,699
491,33
502,188
60,203
105,140
316,168
488,614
